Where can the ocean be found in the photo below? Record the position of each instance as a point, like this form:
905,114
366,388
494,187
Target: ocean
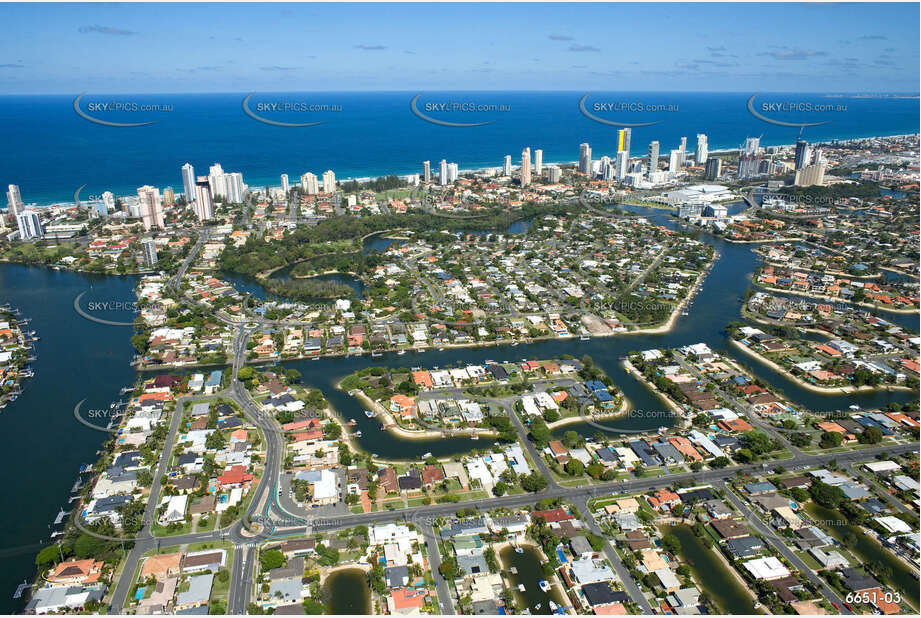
50,151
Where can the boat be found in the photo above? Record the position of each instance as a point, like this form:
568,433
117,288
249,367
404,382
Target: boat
426,455
518,550
544,585
369,413
358,434
401,352
352,423
521,588
585,338
474,437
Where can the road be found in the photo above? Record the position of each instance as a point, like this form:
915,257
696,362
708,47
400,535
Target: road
783,548
275,514
441,584
611,554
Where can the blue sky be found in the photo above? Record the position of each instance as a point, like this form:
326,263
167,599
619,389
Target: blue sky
153,48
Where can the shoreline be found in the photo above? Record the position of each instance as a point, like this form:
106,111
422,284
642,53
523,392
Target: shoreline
391,426
823,390
481,168
831,300
639,377
622,410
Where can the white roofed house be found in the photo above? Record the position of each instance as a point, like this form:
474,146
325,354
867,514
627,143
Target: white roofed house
175,509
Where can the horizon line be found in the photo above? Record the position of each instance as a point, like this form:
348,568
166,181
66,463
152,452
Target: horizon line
477,90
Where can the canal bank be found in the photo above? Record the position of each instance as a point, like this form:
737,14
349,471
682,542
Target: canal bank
717,303
713,575
865,546
526,569
76,359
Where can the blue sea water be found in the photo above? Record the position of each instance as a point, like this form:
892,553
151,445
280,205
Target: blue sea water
50,151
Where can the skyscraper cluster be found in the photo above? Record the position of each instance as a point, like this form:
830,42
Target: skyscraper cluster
750,158
227,186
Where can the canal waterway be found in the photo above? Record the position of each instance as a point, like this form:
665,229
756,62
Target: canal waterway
77,359
717,303
528,571
82,359
711,574
869,550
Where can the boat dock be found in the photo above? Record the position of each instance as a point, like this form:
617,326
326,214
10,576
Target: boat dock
21,588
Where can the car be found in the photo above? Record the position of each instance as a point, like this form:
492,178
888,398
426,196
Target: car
837,607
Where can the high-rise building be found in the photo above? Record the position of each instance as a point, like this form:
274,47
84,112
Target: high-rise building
188,182
204,204
169,196
101,208
607,170
674,160
151,207
702,152
812,174
620,165
682,150
803,156
309,184
538,161
329,181
714,168
14,201
427,171
108,200
652,158
234,189
507,165
525,167
443,173
750,158
149,249
30,225
452,172
216,181
554,173
623,141
585,159
284,184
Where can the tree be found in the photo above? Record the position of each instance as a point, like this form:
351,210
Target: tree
826,495
571,439
719,462
871,435
50,555
490,556
540,433
271,559
533,482
830,439
671,543
574,467
500,488
449,569
215,440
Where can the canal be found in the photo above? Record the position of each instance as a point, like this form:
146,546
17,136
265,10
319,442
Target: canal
868,549
347,592
77,359
527,568
711,574
718,302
